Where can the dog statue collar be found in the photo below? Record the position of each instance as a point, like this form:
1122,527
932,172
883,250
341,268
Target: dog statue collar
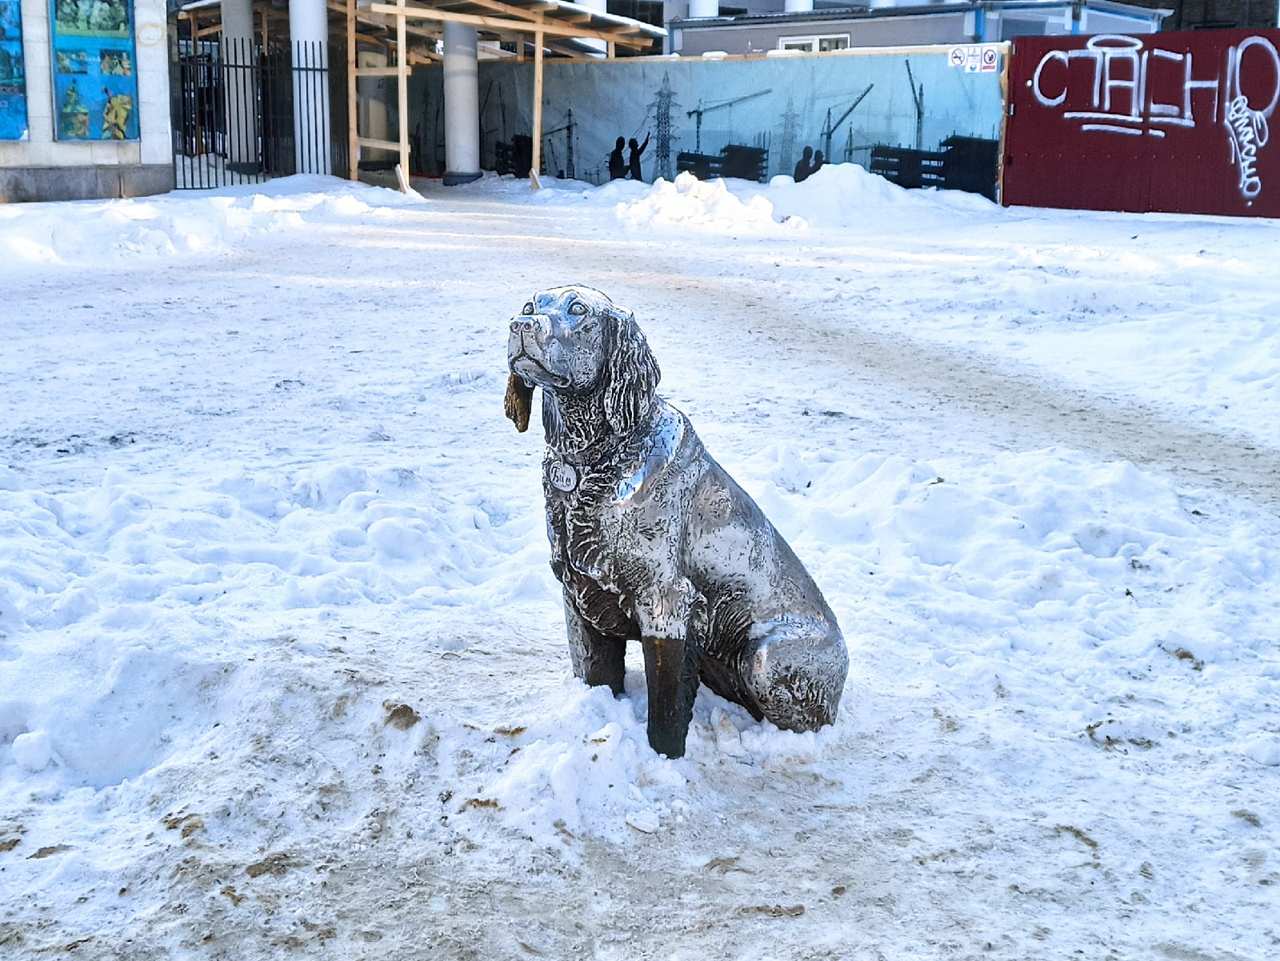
563,476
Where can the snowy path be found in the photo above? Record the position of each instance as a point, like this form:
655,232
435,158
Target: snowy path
1059,735
913,388
916,391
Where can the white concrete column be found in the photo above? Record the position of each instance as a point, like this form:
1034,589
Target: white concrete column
799,6
599,6
239,55
309,39
461,105
704,8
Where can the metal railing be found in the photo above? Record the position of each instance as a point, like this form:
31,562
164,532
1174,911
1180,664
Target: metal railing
243,113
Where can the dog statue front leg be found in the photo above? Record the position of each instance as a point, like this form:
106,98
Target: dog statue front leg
670,661
597,659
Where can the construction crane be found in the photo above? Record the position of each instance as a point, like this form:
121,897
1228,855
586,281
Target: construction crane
830,128
699,110
918,97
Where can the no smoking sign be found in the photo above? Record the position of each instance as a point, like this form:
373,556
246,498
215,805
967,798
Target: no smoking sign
975,57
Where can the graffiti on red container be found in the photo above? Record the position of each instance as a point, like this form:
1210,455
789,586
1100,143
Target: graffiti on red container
1249,134
1126,87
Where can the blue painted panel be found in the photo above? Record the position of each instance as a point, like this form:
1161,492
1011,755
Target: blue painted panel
783,103
13,77
95,83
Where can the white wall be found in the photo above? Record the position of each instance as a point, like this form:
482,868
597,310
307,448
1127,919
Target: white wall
40,150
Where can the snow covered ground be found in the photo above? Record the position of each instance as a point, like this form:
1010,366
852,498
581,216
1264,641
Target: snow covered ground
282,667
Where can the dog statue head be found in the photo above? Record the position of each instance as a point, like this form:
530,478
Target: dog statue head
590,359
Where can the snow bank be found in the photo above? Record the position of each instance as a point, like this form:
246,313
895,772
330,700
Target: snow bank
838,195
151,228
554,191
1042,572
115,588
690,203
847,195
129,613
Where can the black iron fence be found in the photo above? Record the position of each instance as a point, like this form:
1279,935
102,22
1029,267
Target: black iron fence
244,112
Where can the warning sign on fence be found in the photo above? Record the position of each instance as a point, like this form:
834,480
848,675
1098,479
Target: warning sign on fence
975,57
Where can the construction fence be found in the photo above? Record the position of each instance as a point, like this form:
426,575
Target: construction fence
1165,122
1157,122
749,118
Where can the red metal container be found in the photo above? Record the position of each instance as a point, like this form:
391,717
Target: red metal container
1167,121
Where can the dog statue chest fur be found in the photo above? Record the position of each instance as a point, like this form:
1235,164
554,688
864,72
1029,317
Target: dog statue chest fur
653,541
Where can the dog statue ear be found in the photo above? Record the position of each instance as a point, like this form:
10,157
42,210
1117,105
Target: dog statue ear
518,402
631,373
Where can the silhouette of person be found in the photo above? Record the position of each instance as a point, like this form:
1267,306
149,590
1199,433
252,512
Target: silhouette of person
637,150
818,161
804,166
617,166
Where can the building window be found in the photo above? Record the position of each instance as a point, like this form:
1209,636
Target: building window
646,11
823,44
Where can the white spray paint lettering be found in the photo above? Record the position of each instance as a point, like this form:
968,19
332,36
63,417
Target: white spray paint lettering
1249,133
1126,74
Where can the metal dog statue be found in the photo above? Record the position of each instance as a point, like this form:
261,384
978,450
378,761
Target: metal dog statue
651,539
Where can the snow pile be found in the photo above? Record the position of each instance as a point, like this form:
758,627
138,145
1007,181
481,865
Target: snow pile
838,195
586,768
845,195
1042,573
1042,552
132,605
208,222
270,666
582,765
710,206
107,581
606,195
128,229
554,191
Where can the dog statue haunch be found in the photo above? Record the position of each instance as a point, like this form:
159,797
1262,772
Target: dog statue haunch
651,539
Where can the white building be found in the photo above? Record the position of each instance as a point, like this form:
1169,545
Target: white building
753,26
79,139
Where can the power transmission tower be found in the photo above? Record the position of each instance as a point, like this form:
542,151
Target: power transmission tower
661,108
788,146
570,172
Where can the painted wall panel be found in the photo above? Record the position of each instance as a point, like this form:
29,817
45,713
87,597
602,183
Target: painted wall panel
1165,122
94,63
42,149
701,106
13,76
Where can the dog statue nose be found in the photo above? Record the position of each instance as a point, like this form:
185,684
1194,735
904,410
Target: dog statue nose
522,325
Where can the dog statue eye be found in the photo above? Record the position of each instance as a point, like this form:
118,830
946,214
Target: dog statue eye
528,308
578,307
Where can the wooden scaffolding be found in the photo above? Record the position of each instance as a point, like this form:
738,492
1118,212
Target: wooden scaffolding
414,31
546,25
